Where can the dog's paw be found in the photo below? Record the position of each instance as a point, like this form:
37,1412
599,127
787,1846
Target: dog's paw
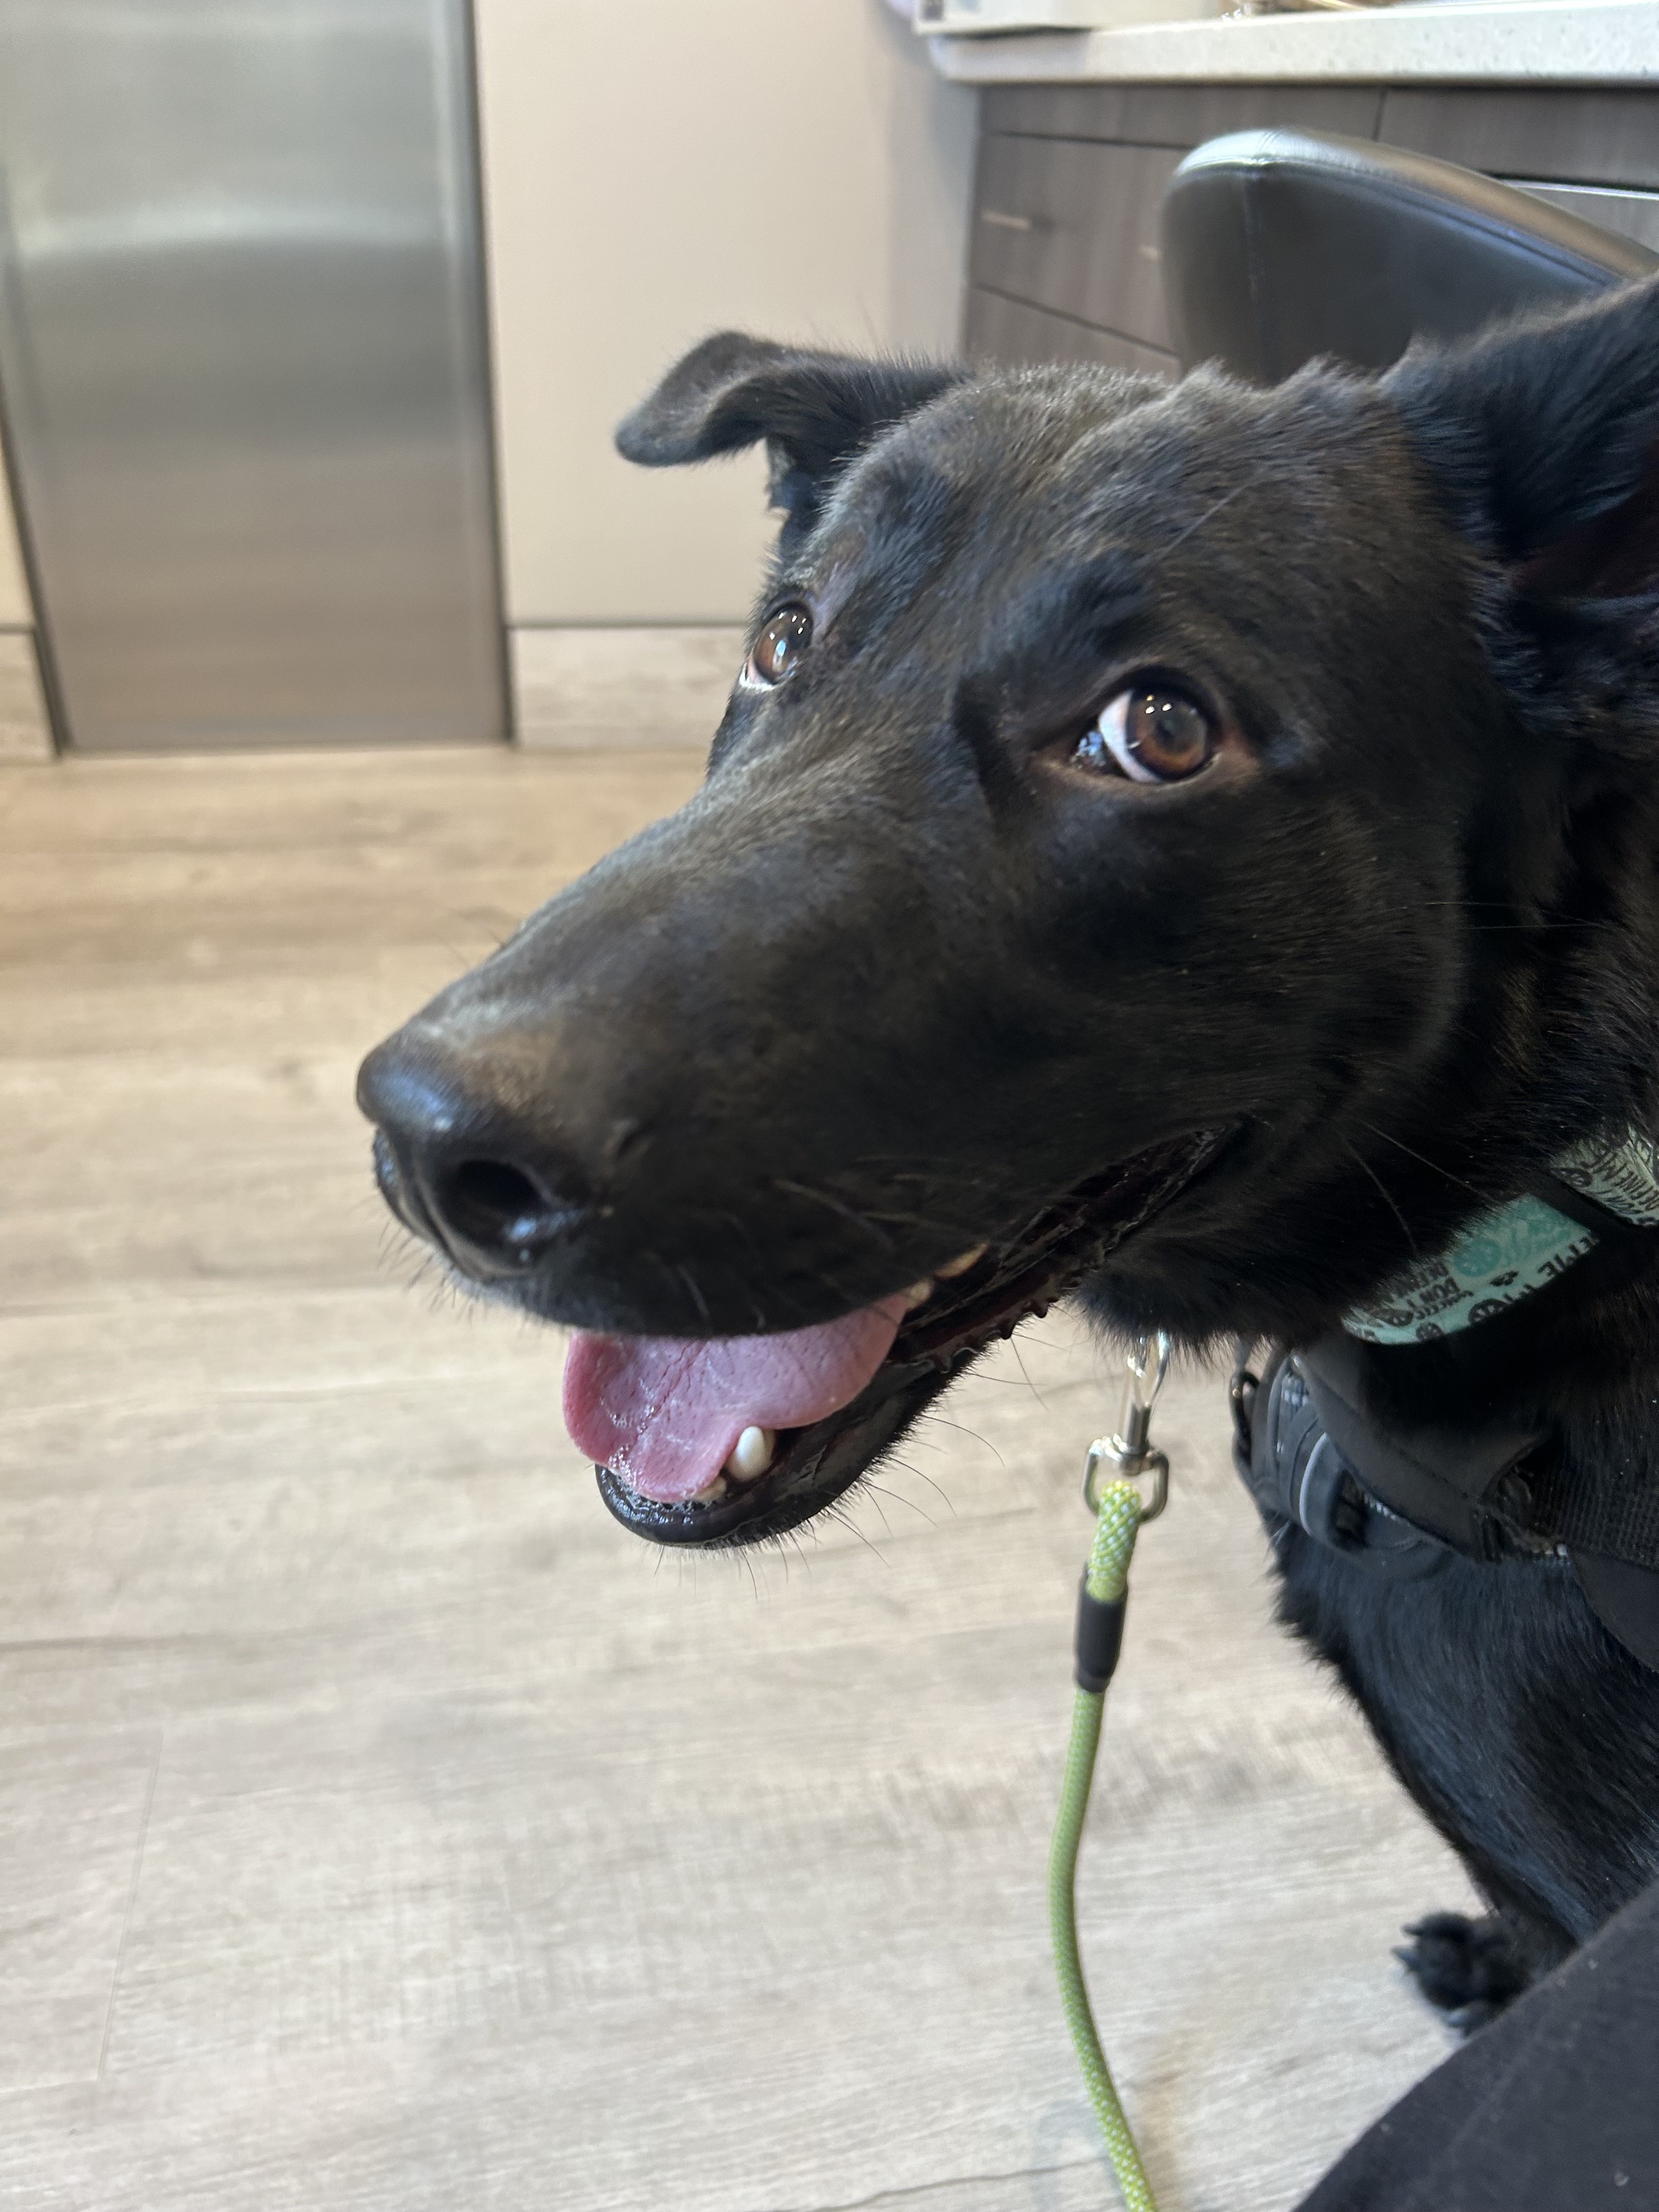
1468,1969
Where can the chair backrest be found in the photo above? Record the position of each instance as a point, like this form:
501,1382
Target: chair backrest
1281,245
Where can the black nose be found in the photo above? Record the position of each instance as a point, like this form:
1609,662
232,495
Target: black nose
455,1158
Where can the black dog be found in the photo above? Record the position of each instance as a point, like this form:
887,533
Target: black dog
1194,849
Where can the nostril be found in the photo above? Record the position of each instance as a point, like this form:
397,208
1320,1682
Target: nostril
493,1205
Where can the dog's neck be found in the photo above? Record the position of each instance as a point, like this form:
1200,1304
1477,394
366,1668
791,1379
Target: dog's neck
1514,1251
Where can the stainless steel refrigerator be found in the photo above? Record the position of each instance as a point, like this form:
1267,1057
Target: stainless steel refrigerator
244,370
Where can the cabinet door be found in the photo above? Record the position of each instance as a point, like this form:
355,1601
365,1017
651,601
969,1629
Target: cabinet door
1073,227
1007,330
1558,136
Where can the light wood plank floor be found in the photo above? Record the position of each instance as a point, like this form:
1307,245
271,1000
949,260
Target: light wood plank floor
381,1827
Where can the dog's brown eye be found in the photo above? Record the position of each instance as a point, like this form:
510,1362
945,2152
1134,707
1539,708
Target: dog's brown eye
1150,732
784,637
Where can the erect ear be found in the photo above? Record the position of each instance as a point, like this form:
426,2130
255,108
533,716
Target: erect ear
1543,437
815,410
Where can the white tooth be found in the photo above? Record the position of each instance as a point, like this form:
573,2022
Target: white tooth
751,1455
711,1492
962,1263
918,1293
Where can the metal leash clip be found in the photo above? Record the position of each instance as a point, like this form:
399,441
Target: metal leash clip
1129,1454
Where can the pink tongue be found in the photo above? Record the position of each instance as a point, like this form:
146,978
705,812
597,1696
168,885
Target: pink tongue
663,1412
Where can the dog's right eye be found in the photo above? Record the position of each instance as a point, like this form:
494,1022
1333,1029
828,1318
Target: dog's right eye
783,638
1151,733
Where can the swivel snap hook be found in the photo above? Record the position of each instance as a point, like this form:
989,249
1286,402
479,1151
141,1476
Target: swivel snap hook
1129,1453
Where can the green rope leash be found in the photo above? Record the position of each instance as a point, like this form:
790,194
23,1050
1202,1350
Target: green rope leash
1105,1587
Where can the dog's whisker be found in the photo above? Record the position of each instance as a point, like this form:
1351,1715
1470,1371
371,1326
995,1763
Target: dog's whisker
1423,1160
1019,1358
1360,1161
836,1205
838,1512
922,1476
962,1430
1208,515
1532,928
876,1493
898,1498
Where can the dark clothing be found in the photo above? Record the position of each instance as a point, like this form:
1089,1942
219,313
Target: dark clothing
1553,2108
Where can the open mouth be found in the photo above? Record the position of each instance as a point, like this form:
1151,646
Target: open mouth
688,1462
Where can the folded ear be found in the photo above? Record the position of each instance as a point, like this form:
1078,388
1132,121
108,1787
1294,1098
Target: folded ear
1543,437
815,410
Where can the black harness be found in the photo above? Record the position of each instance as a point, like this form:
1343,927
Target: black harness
1399,1499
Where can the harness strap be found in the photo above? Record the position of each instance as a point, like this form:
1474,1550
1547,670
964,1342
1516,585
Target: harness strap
1299,1477
1462,1485
1625,1600
1399,1501
1491,1489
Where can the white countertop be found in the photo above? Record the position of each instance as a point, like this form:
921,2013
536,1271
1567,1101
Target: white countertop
1457,42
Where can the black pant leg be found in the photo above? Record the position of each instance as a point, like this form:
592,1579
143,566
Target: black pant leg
1553,2108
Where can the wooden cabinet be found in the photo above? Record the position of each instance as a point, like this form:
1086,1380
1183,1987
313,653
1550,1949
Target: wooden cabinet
1566,137
1063,259
1009,330
1038,236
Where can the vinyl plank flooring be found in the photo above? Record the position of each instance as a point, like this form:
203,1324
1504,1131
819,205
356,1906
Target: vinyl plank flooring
488,1857
192,1553
204,1015
441,1874
73,1808
149,1173
695,2024
303,802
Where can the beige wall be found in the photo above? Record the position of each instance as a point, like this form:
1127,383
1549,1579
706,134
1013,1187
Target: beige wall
658,170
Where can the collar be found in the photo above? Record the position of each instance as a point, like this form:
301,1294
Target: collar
1504,1255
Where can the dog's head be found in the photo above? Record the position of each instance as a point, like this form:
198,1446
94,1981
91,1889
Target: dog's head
1188,845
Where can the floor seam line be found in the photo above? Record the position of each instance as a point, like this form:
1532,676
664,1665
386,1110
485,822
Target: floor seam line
132,1900
897,2195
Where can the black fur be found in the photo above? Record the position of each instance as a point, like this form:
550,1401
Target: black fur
815,411
1470,1969
904,972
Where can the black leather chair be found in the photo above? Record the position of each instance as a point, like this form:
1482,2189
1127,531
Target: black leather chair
1280,245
